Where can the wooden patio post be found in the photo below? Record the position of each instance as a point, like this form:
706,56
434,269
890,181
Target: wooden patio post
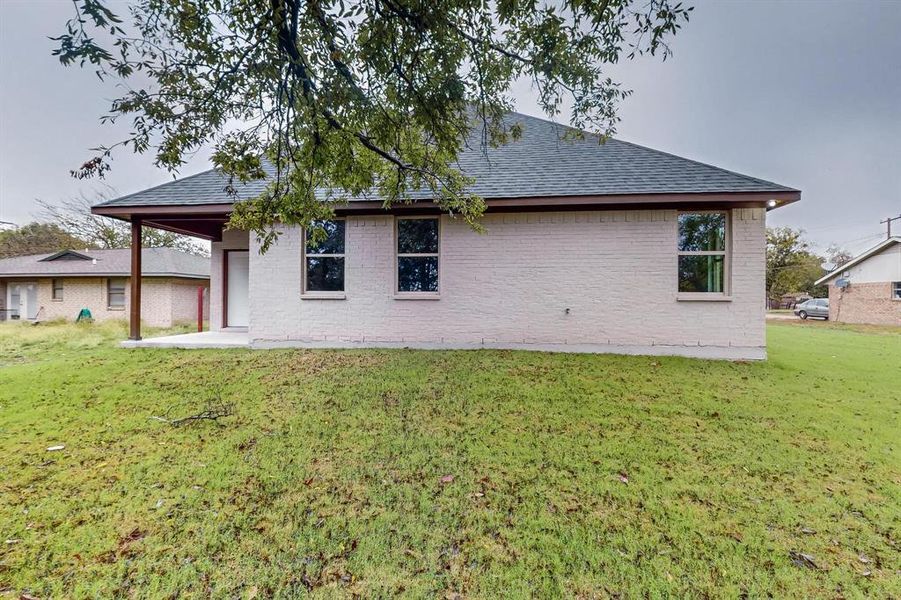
135,314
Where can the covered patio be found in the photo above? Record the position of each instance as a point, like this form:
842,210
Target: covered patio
226,338
206,222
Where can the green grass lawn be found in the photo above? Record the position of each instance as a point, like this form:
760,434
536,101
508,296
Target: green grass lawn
450,474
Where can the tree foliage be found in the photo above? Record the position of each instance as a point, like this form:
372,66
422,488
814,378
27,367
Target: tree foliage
341,98
74,217
37,238
837,255
791,266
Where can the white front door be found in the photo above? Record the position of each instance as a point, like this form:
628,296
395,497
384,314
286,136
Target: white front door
237,313
22,300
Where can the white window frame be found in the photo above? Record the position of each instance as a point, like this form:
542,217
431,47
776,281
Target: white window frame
322,295
896,290
726,253
399,295
109,305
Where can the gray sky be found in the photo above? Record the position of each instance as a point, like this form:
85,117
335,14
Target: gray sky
806,94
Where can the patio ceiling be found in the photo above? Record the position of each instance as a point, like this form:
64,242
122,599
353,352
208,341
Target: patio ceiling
202,221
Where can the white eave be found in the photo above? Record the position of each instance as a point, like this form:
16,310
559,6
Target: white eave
859,259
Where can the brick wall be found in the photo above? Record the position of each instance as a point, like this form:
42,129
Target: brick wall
164,301
183,300
78,293
511,287
864,303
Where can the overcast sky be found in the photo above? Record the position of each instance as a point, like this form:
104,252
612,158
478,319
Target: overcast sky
806,94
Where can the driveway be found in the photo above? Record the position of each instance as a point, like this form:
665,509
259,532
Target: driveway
780,316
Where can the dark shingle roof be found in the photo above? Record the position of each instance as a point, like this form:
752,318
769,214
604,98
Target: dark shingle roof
540,164
159,262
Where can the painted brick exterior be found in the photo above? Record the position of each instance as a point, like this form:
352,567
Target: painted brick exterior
614,271
864,303
165,301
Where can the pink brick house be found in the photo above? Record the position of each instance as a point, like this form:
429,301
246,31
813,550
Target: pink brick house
46,287
588,247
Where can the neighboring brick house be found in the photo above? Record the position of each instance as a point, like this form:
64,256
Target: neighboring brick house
46,287
588,247
867,289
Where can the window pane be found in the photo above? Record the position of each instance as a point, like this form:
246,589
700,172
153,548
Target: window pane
333,243
325,274
417,236
57,289
116,292
417,274
702,232
701,273
897,294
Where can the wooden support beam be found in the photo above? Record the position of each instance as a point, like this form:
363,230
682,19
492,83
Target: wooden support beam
135,314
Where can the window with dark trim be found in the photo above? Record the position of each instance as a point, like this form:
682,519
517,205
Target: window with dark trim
417,255
115,292
896,290
702,252
324,257
57,289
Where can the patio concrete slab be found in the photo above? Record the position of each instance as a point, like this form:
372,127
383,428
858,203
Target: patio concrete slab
203,339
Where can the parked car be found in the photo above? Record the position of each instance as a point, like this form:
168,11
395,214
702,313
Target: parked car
815,307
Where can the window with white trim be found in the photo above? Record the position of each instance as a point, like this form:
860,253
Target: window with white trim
702,252
115,292
324,257
417,255
896,290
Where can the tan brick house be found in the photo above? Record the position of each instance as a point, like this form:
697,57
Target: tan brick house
867,289
588,247
45,287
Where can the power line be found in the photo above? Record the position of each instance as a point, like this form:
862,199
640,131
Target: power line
888,225
860,239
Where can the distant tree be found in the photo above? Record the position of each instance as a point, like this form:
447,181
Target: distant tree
38,238
74,216
791,267
837,255
351,97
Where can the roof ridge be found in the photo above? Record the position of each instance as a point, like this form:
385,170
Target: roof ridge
623,167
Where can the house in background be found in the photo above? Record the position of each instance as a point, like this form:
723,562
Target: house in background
57,286
588,247
867,289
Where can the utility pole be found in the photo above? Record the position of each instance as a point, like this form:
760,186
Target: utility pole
888,225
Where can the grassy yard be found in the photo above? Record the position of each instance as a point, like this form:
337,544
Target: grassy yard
450,474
